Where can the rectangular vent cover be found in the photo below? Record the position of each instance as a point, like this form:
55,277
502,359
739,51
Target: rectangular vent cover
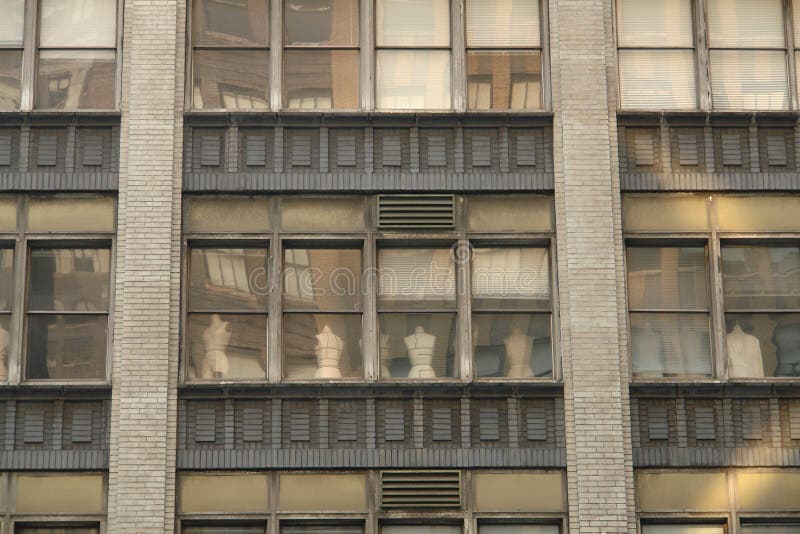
420,489
416,211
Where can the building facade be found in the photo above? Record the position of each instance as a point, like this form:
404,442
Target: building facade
399,266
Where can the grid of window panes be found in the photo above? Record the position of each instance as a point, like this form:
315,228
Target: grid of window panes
504,57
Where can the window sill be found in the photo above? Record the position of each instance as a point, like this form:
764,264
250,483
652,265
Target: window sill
49,389
778,386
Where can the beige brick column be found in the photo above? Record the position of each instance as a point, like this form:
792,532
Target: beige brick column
144,404
590,267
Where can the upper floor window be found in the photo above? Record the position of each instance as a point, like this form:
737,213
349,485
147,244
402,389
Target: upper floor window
73,54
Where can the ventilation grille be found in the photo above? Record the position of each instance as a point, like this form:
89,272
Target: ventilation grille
416,211
420,489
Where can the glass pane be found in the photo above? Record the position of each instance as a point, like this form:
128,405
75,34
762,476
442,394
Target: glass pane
763,344
413,23
230,279
5,329
230,22
420,529
510,214
657,79
48,214
331,214
321,22
779,528
761,278
78,23
66,347
502,23
222,215
12,22
322,279
416,278
511,277
227,346
321,79
670,344
417,345
413,79
512,345
682,529
664,213
504,80
663,23
322,346
57,530
219,529
321,529
749,79
518,529
76,79
667,278
758,213
6,278
230,79
69,279
745,23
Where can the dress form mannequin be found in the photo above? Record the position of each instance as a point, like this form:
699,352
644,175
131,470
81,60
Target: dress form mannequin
385,354
646,345
3,354
329,353
216,337
519,348
420,352
744,354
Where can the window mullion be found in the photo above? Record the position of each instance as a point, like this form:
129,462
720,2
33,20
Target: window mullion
717,301
458,53
367,57
276,55
369,305
701,60
29,55
14,351
275,315
464,345
788,24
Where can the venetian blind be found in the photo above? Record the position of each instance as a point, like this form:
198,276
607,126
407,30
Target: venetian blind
667,278
78,23
682,529
670,344
492,23
656,23
761,278
749,79
745,24
416,274
657,79
511,273
12,22
413,79
413,23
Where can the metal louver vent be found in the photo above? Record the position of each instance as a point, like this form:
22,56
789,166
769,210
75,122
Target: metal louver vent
420,489
416,211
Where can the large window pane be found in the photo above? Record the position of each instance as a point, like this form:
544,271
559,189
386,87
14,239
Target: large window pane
417,345
504,80
657,79
230,279
321,79
230,79
663,23
6,278
518,529
763,344
777,528
667,278
413,79
78,23
219,529
322,345
416,278
227,346
76,79
66,347
69,279
745,23
670,344
12,22
413,23
230,22
511,278
322,279
311,528
512,345
10,77
761,277
683,529
492,23
749,79
420,529
321,22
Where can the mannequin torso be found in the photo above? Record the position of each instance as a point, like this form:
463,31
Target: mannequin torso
518,354
216,337
744,354
420,352
329,354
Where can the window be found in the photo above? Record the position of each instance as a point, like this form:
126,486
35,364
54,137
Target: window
420,529
504,58
767,528
683,529
321,528
57,530
223,529
11,50
517,529
6,299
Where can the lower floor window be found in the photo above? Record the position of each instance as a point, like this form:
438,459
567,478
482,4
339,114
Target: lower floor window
223,529
776,528
57,530
518,529
322,528
683,529
420,529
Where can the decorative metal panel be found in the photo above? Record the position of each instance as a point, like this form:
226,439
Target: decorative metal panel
210,150
437,151
705,426
252,424
299,425
393,424
643,149
205,425
687,149
420,489
489,424
346,151
536,423
776,150
481,151
33,426
416,211
82,425
301,151
751,421
442,424
794,420
346,424
657,423
5,150
93,151
526,151
47,152
256,151
392,152
731,149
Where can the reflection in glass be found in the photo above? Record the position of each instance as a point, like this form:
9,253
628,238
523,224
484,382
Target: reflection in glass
12,22
321,79
78,23
670,344
667,278
227,346
413,79
502,23
417,345
511,277
504,80
762,344
5,329
230,22
512,345
69,279
66,347
6,277
228,279
761,278
10,76
666,23
322,345
321,22
322,279
413,23
230,79
76,79
416,278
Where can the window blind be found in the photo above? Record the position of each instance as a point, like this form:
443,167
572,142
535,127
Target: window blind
662,278
682,529
745,24
749,79
518,273
416,274
413,23
492,23
659,23
662,79
670,343
78,23
12,22
413,79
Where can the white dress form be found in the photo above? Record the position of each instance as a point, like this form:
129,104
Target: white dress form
329,354
420,352
385,354
744,354
216,337
3,354
519,349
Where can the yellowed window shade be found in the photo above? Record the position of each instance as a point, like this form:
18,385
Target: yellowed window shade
71,214
762,492
758,213
240,493
510,214
8,214
334,493
53,494
664,213
519,492
679,492
323,214
226,215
